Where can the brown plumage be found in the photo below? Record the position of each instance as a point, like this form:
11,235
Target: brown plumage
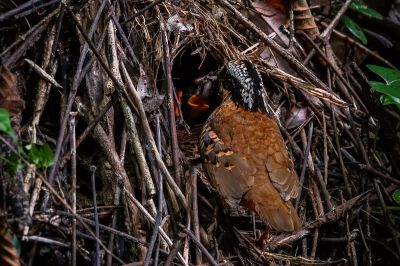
244,153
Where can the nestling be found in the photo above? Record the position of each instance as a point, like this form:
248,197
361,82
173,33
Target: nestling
244,153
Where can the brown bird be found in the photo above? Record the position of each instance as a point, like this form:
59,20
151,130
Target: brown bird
244,153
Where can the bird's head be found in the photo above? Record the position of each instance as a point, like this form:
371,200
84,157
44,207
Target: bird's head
244,82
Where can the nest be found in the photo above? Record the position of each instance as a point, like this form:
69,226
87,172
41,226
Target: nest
100,84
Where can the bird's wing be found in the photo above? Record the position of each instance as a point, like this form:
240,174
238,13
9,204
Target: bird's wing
282,176
230,174
279,166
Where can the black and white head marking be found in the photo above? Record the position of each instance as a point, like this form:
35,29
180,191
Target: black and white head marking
247,87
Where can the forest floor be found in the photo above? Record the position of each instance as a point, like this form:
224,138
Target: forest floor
99,130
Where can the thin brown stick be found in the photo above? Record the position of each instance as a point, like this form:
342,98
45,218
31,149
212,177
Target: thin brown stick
150,138
340,157
202,248
72,94
326,34
171,111
18,10
151,219
195,213
154,235
359,45
346,86
31,39
73,185
140,12
305,160
102,227
91,125
78,217
304,71
174,251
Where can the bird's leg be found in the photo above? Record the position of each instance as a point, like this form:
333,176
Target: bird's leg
264,237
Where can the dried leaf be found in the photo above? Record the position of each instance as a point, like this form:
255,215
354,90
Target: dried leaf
314,100
381,37
394,14
143,85
152,104
177,23
278,4
9,97
271,20
296,116
304,19
273,14
318,3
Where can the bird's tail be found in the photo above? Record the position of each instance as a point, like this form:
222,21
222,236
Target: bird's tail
279,214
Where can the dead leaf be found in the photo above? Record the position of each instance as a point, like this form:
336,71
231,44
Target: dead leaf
179,24
152,104
319,3
143,84
296,116
270,17
273,14
304,20
9,96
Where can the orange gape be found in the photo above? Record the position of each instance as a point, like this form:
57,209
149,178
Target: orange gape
245,156
197,102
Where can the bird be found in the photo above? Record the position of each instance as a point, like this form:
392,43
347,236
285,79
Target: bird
244,154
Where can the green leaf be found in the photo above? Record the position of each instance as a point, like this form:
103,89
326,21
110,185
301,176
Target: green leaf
396,196
386,100
33,155
13,163
353,27
392,89
364,9
41,156
5,124
388,74
47,156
